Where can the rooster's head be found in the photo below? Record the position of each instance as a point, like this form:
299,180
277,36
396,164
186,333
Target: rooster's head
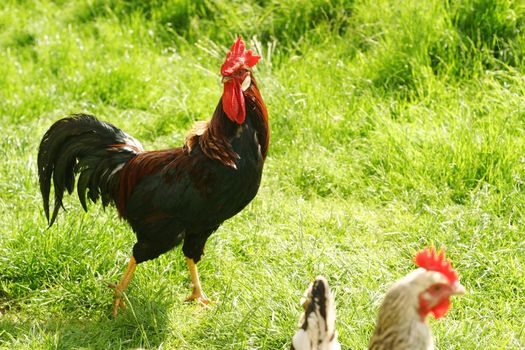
236,77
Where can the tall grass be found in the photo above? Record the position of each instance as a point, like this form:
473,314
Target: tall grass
394,125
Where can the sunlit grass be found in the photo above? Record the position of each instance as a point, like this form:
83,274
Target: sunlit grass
394,125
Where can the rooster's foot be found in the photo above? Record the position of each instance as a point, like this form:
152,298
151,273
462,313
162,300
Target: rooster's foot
199,297
118,302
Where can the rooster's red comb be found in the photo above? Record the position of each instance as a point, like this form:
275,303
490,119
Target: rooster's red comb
431,260
238,57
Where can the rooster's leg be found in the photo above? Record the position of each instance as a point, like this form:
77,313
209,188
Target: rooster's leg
197,293
123,285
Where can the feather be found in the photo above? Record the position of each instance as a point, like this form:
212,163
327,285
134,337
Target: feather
81,144
318,320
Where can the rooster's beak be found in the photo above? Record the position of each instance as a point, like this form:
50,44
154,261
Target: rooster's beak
225,79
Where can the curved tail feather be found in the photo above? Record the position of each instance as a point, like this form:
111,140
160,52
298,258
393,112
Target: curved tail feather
318,320
81,144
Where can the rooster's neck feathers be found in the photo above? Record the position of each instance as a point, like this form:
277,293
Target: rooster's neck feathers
212,143
214,137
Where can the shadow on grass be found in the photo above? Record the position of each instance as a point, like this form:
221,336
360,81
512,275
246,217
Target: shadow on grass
141,325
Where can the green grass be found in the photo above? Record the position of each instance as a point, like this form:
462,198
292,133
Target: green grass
394,125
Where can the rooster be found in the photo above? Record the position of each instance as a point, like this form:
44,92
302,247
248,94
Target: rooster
169,197
402,316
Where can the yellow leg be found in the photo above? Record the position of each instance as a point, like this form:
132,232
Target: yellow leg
197,293
123,285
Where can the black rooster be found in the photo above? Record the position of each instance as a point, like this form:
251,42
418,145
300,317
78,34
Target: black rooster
171,196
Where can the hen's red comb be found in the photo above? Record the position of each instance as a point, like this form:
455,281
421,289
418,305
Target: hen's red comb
431,260
238,57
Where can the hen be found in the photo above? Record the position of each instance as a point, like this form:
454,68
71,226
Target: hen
402,317
171,196
317,322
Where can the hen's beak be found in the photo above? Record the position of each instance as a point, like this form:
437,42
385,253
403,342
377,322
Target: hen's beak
459,289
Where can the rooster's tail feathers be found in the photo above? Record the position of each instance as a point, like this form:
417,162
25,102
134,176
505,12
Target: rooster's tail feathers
82,144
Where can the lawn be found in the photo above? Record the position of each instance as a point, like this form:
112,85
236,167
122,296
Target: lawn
394,125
